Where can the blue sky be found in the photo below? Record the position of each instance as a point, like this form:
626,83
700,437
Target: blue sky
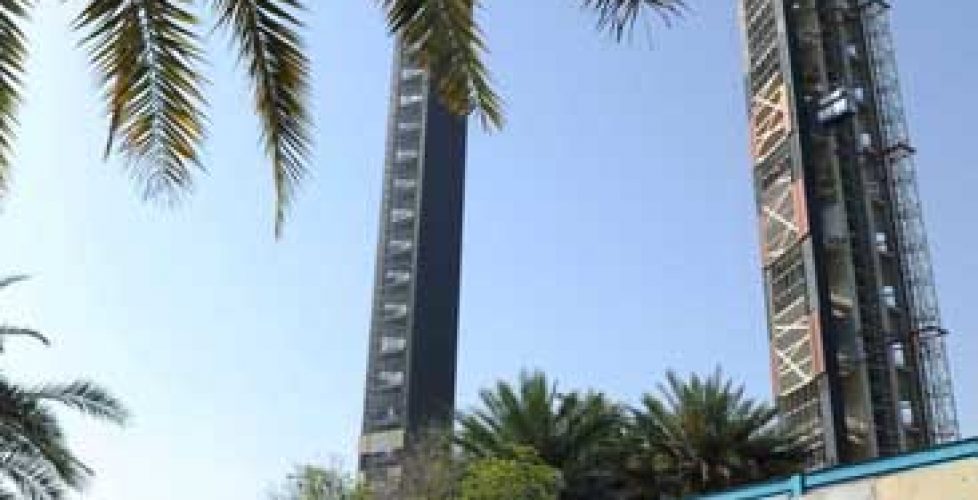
610,234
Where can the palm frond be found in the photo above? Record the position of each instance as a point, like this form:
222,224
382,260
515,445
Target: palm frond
14,331
85,397
267,37
33,477
449,43
28,427
12,57
6,494
147,53
618,17
10,280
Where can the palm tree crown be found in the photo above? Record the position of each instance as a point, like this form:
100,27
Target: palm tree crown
703,434
568,431
148,56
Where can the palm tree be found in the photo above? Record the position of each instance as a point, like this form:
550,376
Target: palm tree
703,434
34,455
148,56
571,432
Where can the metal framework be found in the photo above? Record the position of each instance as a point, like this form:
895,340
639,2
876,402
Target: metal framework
911,234
857,351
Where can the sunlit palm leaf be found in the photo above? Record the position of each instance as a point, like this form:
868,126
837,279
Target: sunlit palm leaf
33,477
450,44
266,35
147,55
618,17
13,52
85,397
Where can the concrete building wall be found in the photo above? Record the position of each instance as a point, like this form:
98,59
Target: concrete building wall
946,472
949,481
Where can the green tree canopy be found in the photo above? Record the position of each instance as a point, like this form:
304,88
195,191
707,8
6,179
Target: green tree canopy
312,482
524,477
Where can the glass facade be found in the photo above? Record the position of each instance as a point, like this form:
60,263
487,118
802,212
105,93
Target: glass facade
410,382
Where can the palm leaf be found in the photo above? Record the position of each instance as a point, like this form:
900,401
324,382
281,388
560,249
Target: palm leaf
12,57
618,17
85,397
30,428
146,53
266,35
6,494
10,280
12,331
33,477
451,46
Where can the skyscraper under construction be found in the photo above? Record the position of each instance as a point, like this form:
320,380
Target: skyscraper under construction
410,384
857,347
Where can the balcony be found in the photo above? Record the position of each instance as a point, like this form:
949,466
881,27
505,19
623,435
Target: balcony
397,277
409,99
385,418
409,73
394,312
405,183
388,380
402,155
409,126
399,247
399,215
392,345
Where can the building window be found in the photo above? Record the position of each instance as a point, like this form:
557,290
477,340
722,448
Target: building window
401,214
899,356
410,99
882,245
392,344
406,154
906,413
405,183
888,296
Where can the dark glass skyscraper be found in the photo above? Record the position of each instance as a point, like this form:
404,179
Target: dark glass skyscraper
857,348
410,384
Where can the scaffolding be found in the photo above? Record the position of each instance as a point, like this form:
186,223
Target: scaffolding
898,157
